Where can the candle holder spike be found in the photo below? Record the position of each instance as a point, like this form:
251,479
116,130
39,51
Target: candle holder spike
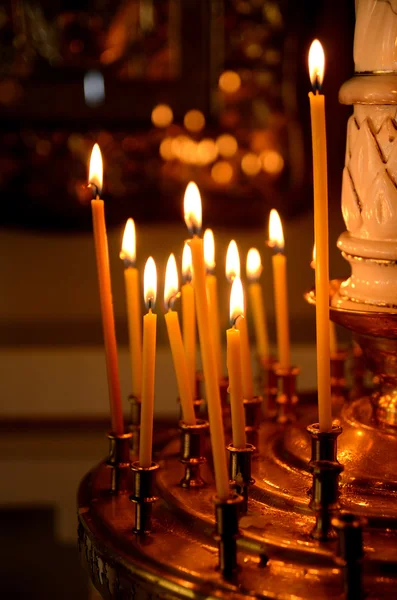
287,397
325,498
119,461
135,424
253,417
192,452
351,552
240,471
226,532
143,496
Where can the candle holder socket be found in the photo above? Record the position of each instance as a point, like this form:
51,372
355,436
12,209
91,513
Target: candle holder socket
192,452
240,471
226,532
253,417
287,398
143,496
324,443
119,462
325,497
351,553
135,424
338,377
268,385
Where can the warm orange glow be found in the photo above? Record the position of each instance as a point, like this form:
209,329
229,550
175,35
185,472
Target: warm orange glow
166,149
316,64
171,284
177,145
272,161
236,300
227,145
222,172
188,151
229,82
150,283
232,261
128,245
207,151
194,120
250,164
187,265
254,264
95,176
162,115
209,249
313,263
276,236
192,207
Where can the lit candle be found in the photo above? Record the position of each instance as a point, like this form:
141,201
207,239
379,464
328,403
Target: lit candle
212,296
233,271
320,185
131,279
254,270
279,261
192,210
148,365
175,338
189,316
105,291
333,340
233,342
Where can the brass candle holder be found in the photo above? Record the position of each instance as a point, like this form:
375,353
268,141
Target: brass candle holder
253,418
324,443
325,498
119,462
240,471
351,553
226,532
143,496
135,424
287,398
192,452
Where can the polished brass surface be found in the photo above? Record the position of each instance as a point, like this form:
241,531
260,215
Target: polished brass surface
119,461
227,531
351,552
325,497
287,397
253,418
135,424
143,495
240,471
192,452
324,443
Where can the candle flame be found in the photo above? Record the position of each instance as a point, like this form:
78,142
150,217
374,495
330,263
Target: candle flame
171,282
95,176
150,283
187,263
209,249
316,64
192,208
236,300
276,236
313,263
232,262
128,245
254,264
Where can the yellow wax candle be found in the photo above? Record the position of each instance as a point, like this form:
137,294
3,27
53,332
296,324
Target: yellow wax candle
246,366
254,269
212,297
131,279
279,263
105,293
148,366
233,338
192,209
189,317
175,338
320,184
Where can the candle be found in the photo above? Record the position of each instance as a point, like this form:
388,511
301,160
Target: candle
105,291
192,210
233,340
279,261
320,185
254,270
148,365
131,280
189,316
212,296
333,340
175,338
233,271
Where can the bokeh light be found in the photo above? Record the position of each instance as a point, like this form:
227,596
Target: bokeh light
162,115
229,82
227,145
272,162
222,172
194,120
251,164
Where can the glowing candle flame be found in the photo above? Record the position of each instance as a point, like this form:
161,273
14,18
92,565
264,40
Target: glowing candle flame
232,262
95,176
187,264
236,300
254,264
171,282
209,250
150,283
128,245
276,236
316,64
192,208
313,263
